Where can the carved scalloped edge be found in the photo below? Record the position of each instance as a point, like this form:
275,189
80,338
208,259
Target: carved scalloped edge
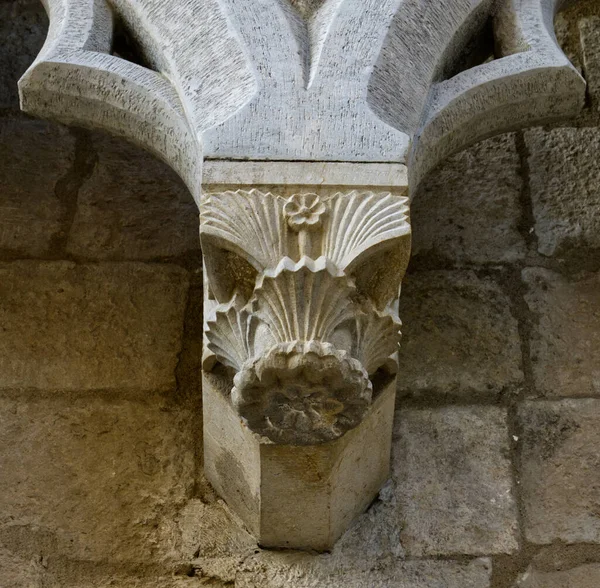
362,224
249,223
231,335
377,340
533,86
303,301
75,81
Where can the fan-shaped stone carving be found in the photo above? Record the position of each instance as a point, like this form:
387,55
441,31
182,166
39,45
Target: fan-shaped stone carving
377,339
301,286
363,223
304,301
250,224
231,336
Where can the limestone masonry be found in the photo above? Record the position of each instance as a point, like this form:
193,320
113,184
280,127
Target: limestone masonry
174,407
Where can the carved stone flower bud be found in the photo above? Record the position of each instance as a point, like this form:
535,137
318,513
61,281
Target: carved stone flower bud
304,212
302,393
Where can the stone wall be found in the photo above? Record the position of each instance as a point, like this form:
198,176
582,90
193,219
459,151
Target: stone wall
496,470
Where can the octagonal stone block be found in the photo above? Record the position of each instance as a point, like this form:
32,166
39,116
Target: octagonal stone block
295,496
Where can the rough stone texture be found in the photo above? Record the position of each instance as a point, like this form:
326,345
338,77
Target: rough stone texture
20,572
590,45
23,25
454,484
560,470
90,478
279,570
566,341
564,179
459,337
86,327
212,535
468,210
122,581
586,576
257,81
296,496
132,207
204,527
35,157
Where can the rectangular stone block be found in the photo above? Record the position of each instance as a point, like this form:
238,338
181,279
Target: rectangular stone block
559,470
459,338
566,339
91,479
35,156
295,570
585,576
132,207
453,482
90,327
468,210
564,178
297,496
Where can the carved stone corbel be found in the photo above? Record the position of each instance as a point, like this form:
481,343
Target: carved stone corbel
302,332
303,261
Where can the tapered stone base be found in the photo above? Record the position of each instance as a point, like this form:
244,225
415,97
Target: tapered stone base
300,497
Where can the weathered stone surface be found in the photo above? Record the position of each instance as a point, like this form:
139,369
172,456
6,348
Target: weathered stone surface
566,340
454,484
468,209
281,570
585,576
590,45
298,496
132,207
459,337
564,176
35,156
263,81
124,581
85,327
20,572
23,26
301,288
89,478
211,536
560,470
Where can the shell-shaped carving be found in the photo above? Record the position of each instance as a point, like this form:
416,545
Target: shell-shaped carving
363,221
304,301
250,224
230,335
377,338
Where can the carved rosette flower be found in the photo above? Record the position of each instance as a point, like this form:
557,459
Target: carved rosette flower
302,393
304,212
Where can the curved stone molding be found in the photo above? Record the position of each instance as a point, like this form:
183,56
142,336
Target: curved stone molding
346,80
77,81
530,82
